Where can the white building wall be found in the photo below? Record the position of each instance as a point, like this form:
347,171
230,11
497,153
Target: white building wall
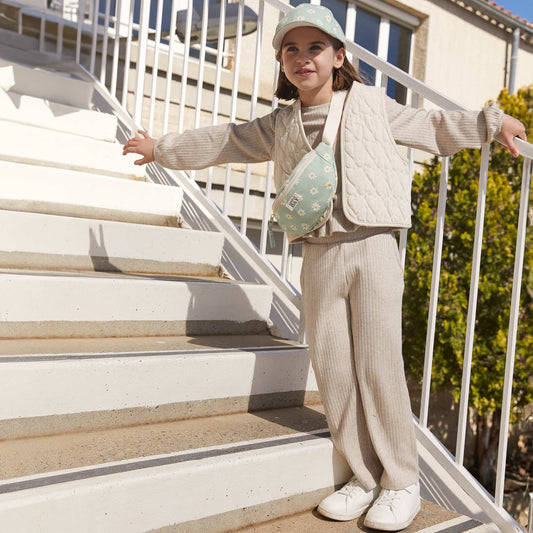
466,55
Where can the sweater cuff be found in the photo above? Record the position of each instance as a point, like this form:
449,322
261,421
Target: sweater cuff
157,151
493,120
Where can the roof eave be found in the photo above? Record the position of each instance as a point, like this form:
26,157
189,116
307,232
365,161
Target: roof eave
500,16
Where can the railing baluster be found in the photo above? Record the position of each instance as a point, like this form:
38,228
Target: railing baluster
103,60
201,71
141,62
79,33
511,339
268,185
116,47
234,97
415,102
216,90
184,74
59,42
472,305
284,257
94,35
253,110
351,14
434,295
155,66
530,514
201,66
383,47
127,58
42,30
170,65
266,209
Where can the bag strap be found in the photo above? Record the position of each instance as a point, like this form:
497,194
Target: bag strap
331,127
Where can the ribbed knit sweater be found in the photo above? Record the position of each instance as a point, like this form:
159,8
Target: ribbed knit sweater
435,131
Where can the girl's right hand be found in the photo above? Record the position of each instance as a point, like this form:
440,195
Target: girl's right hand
144,147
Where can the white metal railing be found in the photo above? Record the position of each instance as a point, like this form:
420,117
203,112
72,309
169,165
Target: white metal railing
141,53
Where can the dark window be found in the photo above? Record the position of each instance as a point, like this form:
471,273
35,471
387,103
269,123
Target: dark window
367,34
398,55
337,7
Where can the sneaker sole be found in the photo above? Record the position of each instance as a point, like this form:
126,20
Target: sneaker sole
392,527
342,517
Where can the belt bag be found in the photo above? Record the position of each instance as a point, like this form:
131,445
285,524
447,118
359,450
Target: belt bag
305,200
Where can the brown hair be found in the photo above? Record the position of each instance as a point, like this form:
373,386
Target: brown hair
343,77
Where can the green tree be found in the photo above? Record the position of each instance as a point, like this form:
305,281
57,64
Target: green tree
495,285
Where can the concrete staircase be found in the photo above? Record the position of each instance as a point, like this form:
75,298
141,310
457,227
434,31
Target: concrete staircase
140,387
121,333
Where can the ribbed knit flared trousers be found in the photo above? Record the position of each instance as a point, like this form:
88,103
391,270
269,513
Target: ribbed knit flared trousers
352,290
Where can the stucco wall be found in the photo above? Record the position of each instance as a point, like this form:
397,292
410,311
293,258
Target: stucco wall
467,57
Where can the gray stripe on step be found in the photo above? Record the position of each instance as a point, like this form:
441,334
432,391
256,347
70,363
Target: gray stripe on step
152,463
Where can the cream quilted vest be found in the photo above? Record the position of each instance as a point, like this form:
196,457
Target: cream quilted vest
376,182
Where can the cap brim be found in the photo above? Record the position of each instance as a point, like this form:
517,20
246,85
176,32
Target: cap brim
278,38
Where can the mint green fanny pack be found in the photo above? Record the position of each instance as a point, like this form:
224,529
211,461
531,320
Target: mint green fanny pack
305,200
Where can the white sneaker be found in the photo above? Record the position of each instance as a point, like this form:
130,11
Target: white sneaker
394,509
348,503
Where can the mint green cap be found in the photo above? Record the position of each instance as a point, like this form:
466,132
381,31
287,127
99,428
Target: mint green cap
308,15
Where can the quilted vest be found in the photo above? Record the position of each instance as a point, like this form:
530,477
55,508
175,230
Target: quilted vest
376,182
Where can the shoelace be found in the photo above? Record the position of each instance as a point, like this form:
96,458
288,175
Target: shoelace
388,497
351,488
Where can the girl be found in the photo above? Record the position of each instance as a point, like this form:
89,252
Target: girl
352,280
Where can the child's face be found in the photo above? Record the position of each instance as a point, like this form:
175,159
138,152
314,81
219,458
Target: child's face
308,59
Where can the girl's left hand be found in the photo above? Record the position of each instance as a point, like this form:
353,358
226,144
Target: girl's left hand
511,128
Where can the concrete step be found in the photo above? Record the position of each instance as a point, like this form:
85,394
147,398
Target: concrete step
20,143
67,192
431,519
15,107
40,83
127,381
51,242
46,305
213,474
264,471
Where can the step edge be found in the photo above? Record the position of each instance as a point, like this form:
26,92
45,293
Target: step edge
252,446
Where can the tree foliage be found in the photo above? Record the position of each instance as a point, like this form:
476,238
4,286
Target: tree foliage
495,284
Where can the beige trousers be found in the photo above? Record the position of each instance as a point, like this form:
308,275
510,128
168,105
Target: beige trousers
352,288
